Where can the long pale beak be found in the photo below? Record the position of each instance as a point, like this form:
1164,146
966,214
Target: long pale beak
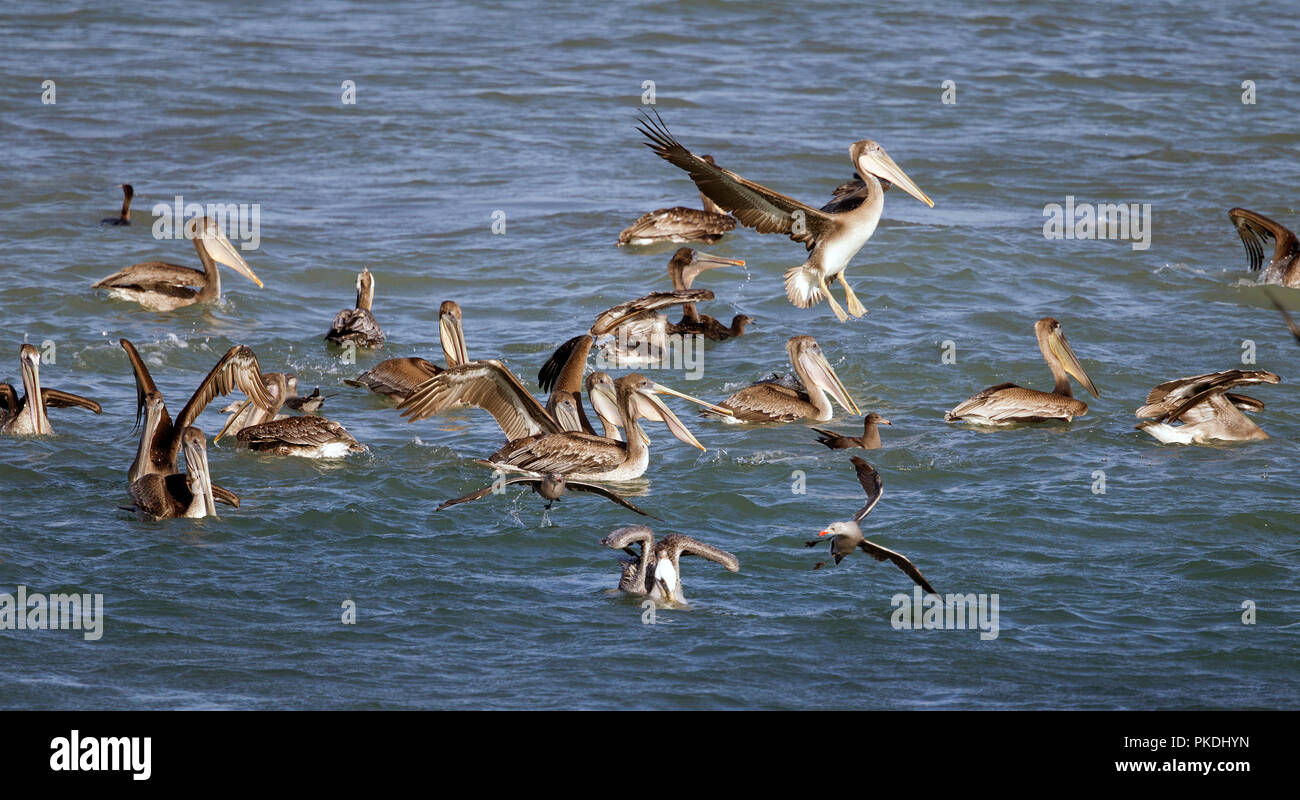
196,460
879,163
239,411
659,388
820,372
605,403
223,252
717,261
35,400
653,409
452,334
1069,361
567,415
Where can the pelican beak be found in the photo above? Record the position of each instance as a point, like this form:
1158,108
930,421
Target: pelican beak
878,163
1069,361
659,388
605,404
820,372
196,461
31,359
239,410
713,262
567,415
653,409
452,334
223,252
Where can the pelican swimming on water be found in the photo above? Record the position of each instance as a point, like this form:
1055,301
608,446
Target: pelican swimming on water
680,224
774,401
159,286
1008,403
847,536
684,267
123,218
833,234
1208,411
656,570
265,430
397,377
869,440
26,415
635,333
358,324
550,488
190,495
1255,231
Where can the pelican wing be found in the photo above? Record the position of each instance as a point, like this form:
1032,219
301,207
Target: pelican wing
1008,402
623,538
396,377
56,399
154,275
767,401
1286,315
1255,230
871,481
644,308
678,224
755,205
563,370
562,453
237,369
143,385
592,488
1172,399
685,545
487,385
304,431
901,561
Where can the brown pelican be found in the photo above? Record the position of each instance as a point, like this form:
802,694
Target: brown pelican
398,377
161,439
1209,412
309,436
158,496
124,218
1008,403
636,333
680,224
1286,315
847,536
685,265
655,571
1254,229
833,234
869,440
26,415
550,487
358,325
159,286
773,401
536,444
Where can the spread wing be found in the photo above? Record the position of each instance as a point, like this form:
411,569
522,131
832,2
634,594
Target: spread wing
396,377
487,385
562,453
143,385
686,545
756,206
237,369
872,483
1256,230
901,561
1172,400
592,488
643,308
487,490
563,370
56,399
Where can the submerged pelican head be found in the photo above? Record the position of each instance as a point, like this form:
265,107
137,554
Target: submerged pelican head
870,158
807,358
206,233
1059,355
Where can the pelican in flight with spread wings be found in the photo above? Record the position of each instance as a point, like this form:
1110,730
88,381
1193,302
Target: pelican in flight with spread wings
1208,411
833,234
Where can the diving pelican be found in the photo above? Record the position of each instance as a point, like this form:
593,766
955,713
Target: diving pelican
158,496
869,440
535,445
773,401
123,218
550,487
397,377
1255,229
1209,412
26,415
847,536
159,286
358,324
684,267
680,224
655,572
833,235
1008,403
266,431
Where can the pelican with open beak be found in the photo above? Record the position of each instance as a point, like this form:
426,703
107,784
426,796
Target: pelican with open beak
190,495
773,401
1008,403
684,267
26,415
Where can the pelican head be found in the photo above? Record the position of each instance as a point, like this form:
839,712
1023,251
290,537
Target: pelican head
452,333
196,465
30,358
870,158
206,233
1058,354
641,393
365,289
807,358
687,263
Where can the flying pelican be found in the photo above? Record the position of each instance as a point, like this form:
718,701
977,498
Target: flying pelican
833,234
550,487
26,415
309,436
358,325
536,443
869,440
1209,412
161,439
1007,403
397,377
684,267
124,218
159,496
1286,315
847,536
159,286
680,224
1254,229
773,401
655,571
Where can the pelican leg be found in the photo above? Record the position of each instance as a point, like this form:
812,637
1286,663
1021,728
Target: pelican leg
839,312
851,299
